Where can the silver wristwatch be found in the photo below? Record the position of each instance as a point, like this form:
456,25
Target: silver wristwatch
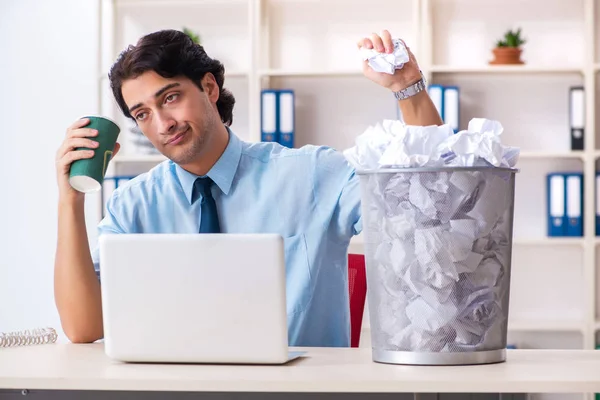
413,89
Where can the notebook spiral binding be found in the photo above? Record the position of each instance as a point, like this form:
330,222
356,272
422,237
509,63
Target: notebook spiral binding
28,337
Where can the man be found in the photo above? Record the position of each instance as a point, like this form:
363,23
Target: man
214,182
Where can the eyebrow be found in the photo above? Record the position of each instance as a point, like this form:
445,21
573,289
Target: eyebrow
157,94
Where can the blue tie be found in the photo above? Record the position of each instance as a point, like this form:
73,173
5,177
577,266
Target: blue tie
209,220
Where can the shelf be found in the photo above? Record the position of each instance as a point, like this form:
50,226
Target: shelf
315,73
172,3
559,241
357,243
230,74
545,326
236,74
139,158
550,154
505,69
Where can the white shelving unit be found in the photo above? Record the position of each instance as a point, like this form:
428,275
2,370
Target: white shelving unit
309,73
554,280
558,325
310,46
504,69
574,154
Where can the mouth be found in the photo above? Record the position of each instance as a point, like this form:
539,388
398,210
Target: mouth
177,138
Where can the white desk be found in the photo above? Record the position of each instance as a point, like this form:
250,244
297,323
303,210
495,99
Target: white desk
85,367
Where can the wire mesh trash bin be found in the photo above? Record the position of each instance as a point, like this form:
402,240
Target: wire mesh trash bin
438,245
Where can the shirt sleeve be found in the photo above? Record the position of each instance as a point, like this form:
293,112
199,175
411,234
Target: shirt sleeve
110,224
337,192
350,204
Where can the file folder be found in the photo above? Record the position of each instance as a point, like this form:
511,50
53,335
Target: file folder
577,116
268,117
286,118
436,93
451,107
556,204
574,204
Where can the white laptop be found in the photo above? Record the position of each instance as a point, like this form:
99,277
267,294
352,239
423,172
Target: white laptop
194,298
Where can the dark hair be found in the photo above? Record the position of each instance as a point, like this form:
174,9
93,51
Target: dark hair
169,53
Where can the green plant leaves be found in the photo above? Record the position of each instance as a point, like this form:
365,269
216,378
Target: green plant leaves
511,39
193,35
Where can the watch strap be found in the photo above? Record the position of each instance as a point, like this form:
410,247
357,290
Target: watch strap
412,90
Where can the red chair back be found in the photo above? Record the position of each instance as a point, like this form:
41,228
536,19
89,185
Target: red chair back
357,282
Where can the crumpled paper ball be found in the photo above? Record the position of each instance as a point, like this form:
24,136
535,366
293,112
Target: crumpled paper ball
395,144
386,62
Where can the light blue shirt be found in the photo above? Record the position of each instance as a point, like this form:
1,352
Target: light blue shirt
310,196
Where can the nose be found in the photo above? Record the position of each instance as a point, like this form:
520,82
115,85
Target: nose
165,123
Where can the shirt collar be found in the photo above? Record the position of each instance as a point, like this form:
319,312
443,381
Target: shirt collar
221,173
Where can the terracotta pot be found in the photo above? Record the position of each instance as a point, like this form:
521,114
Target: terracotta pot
507,55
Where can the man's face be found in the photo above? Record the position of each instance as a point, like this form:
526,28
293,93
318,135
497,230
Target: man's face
173,113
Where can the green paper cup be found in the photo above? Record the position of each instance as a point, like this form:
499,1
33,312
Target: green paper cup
86,175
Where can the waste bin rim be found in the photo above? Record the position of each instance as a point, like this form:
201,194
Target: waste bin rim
434,169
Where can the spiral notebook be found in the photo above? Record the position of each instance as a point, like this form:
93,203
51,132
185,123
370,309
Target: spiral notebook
28,337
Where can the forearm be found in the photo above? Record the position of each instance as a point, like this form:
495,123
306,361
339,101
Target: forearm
76,287
419,110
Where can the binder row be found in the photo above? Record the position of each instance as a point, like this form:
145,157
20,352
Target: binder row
277,120
447,102
565,204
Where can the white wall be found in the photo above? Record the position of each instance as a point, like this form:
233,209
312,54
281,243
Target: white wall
48,69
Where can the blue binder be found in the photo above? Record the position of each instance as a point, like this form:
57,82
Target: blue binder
451,107
556,205
436,93
268,116
574,203
286,117
577,116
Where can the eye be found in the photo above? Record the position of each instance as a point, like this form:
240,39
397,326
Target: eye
140,116
172,97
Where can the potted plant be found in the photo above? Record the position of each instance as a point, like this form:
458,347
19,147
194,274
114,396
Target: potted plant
508,50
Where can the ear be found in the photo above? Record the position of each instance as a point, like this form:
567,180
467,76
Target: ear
210,86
